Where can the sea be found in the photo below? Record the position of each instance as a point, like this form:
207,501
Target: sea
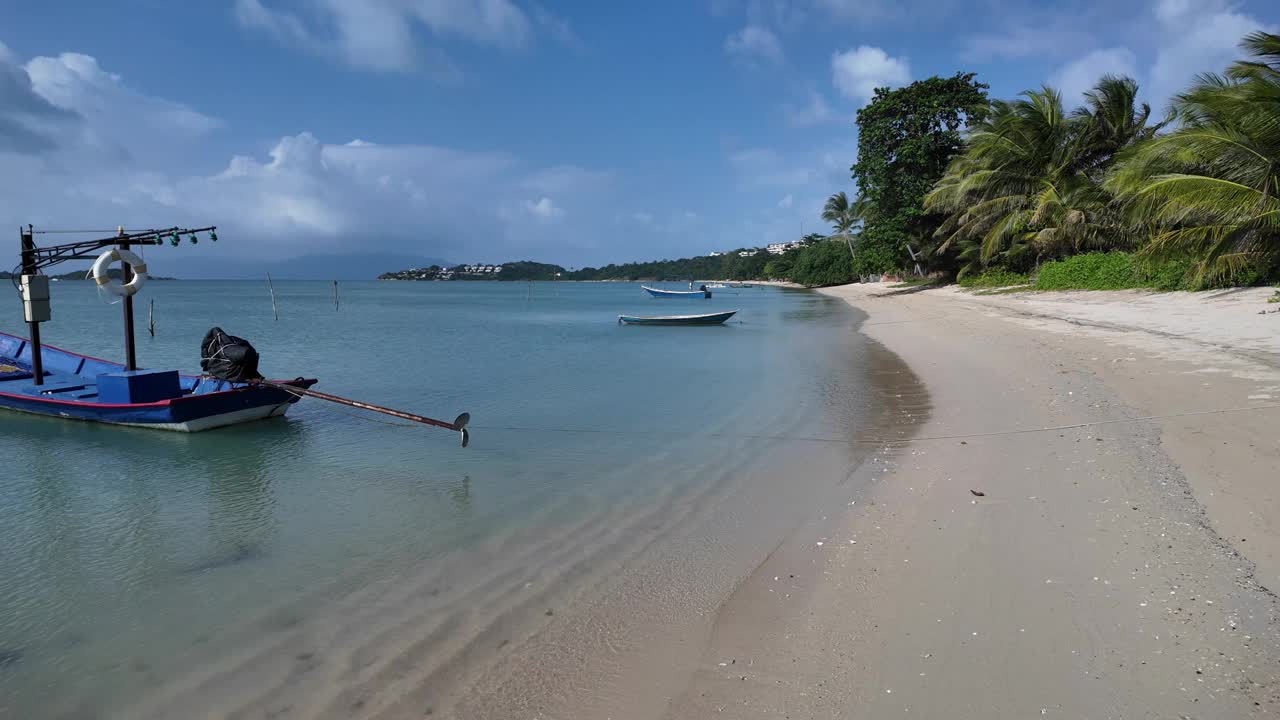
620,483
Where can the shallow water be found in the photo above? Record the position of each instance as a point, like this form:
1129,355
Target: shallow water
143,569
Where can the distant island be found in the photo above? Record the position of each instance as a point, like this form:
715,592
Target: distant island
773,261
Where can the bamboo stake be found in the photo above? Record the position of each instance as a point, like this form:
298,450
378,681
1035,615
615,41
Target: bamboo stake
151,318
335,296
272,290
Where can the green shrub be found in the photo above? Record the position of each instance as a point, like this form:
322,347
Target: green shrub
995,277
823,263
1167,275
1090,271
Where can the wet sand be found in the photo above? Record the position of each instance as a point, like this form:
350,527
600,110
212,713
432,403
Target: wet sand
998,567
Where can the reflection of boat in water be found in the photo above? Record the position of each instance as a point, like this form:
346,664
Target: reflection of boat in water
705,319
701,292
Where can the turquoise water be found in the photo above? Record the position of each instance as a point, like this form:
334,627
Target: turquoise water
141,567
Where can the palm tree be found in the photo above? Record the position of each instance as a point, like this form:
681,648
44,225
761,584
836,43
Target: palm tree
1211,188
1027,185
843,215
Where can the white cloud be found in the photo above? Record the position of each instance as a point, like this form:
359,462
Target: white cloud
380,34
1079,75
643,218
29,123
107,157
786,201
857,73
543,209
117,121
754,45
816,112
1196,37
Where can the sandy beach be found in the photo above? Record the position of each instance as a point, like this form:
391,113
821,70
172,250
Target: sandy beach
1033,552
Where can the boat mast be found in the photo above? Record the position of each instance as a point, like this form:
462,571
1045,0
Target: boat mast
35,259
33,326
126,275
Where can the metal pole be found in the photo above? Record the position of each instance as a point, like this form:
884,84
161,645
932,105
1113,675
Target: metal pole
271,288
130,354
33,328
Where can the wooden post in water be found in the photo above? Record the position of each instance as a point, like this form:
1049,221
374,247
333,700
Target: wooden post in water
271,288
335,296
151,318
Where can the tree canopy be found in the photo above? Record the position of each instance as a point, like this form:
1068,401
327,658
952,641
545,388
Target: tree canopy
906,138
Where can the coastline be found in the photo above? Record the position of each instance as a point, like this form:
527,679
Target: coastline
1112,570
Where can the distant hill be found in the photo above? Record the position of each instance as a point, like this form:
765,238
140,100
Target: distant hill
347,266
520,270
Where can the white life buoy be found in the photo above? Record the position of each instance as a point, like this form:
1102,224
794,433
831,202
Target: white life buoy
113,286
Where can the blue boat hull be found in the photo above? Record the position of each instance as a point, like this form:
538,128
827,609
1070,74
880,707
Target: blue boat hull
707,319
685,294
70,391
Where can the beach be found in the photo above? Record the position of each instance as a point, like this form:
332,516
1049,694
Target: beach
1025,554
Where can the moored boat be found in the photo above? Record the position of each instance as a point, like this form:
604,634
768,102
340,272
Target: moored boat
80,387
704,319
701,292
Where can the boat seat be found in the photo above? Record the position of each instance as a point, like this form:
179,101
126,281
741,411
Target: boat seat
58,388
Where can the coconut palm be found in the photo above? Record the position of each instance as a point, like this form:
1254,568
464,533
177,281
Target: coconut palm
1211,188
1027,185
844,215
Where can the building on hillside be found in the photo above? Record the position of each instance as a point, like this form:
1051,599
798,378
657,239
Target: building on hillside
781,248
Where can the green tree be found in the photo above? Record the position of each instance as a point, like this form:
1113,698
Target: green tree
1211,188
906,138
844,215
1028,185
823,263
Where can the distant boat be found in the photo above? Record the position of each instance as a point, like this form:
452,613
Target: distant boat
707,319
717,286
702,292
741,285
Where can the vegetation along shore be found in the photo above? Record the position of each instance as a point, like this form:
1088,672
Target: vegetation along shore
1029,191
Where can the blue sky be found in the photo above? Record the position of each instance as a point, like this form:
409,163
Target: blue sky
489,130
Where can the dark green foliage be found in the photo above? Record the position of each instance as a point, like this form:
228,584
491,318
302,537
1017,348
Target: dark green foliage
1090,271
906,138
528,270
727,266
780,266
1120,271
996,277
822,264
879,249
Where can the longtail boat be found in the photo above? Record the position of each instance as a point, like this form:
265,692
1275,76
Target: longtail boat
705,319
700,293
43,380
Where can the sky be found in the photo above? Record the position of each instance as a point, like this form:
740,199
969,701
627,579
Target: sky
574,131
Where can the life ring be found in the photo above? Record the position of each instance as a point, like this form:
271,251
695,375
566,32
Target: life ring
110,284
